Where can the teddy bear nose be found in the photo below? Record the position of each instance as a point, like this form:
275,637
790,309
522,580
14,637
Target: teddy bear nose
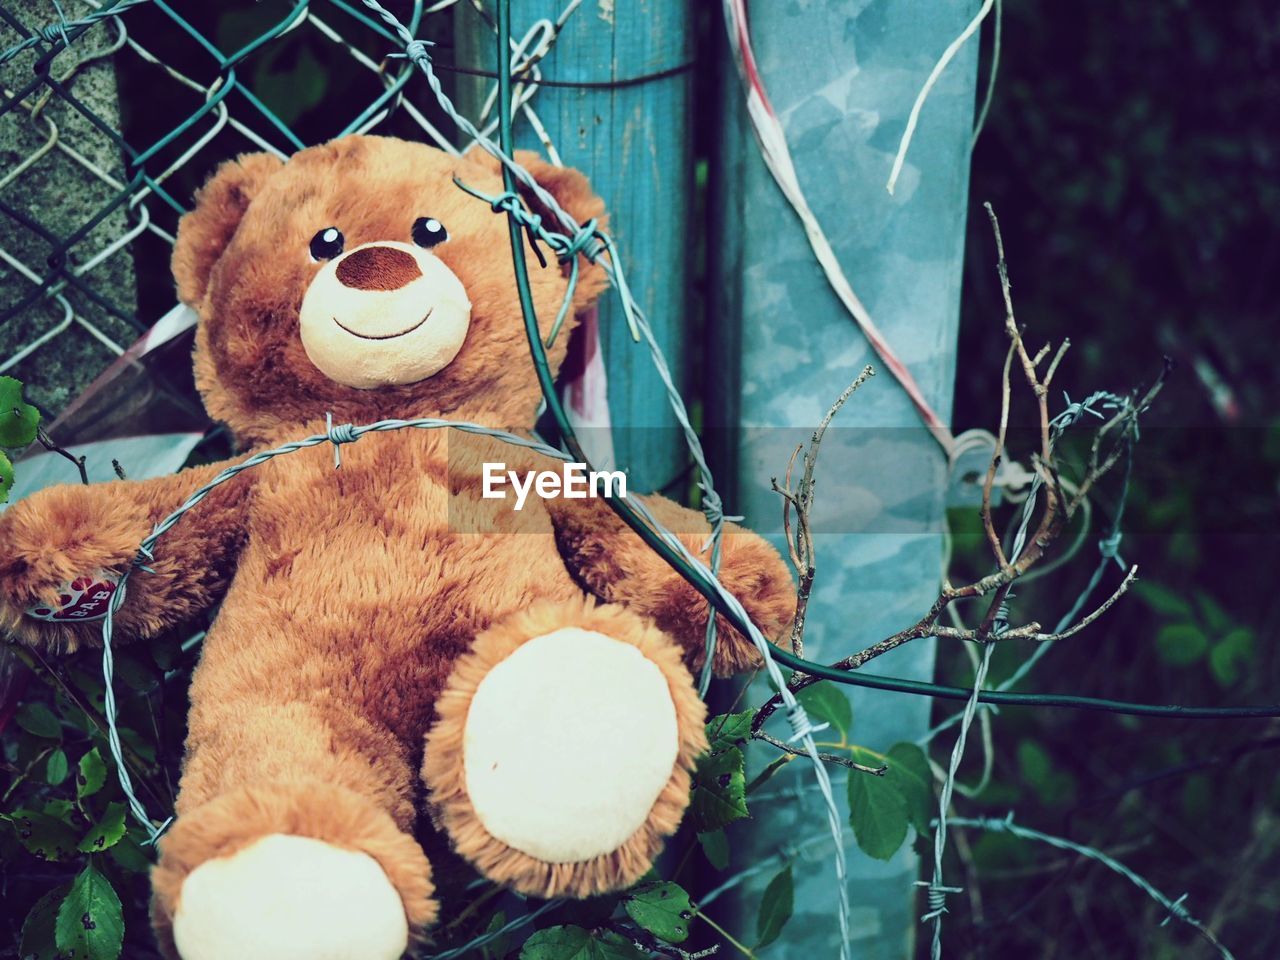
378,268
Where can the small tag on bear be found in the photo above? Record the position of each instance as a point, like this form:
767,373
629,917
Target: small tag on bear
85,598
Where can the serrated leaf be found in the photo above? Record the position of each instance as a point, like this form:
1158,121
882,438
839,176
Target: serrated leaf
877,811
776,907
6,477
56,767
38,719
46,837
1166,602
106,832
715,847
90,924
826,702
18,419
37,942
729,730
719,794
661,908
91,774
1181,643
130,855
909,772
575,943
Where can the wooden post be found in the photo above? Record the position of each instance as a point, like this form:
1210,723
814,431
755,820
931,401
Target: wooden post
633,141
843,78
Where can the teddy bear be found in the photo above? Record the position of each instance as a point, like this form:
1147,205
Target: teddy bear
394,654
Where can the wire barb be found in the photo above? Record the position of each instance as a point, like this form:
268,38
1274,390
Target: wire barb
338,434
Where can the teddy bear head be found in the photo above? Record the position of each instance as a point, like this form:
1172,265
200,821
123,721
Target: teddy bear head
358,279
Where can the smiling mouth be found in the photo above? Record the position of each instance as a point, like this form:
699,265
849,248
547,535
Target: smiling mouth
385,336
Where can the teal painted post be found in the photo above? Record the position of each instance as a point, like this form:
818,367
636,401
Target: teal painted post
842,76
634,142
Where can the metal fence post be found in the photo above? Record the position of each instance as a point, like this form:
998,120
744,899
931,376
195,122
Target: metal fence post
843,78
633,140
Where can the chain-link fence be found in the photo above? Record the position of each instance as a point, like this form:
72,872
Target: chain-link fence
109,122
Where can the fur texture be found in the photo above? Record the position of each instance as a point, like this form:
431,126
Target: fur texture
445,775
349,597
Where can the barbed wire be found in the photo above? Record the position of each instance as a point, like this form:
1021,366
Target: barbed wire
1177,909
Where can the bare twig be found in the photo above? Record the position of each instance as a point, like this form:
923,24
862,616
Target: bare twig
826,757
800,498
1111,442
47,442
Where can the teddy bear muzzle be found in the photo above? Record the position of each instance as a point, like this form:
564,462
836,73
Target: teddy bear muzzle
384,314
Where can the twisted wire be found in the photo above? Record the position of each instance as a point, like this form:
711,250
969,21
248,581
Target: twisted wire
1176,909
59,32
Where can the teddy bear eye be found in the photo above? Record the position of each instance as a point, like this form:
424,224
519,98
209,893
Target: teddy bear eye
428,231
327,244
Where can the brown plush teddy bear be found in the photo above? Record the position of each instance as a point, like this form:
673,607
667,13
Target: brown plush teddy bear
390,642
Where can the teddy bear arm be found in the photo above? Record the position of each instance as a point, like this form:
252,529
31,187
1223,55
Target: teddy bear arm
70,535
611,560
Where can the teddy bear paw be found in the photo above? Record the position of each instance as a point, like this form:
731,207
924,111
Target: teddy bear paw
286,897
562,754
568,744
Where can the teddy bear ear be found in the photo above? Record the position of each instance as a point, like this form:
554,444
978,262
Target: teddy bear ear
575,195
203,234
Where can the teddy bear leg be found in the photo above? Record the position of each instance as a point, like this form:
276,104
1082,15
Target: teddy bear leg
292,841
562,753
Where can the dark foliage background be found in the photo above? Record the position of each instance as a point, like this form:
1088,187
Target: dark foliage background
1132,153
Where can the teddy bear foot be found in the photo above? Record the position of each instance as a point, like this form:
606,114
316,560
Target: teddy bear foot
562,755
288,897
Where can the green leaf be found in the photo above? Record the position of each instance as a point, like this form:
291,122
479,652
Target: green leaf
1034,763
1166,602
138,744
90,924
131,856
37,941
612,946
661,908
729,730
48,838
909,772
715,847
56,767
1215,617
775,908
719,795
106,832
137,673
496,948
18,420
826,702
1181,643
877,810
1052,785
91,775
575,943
1231,655
38,719
6,478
